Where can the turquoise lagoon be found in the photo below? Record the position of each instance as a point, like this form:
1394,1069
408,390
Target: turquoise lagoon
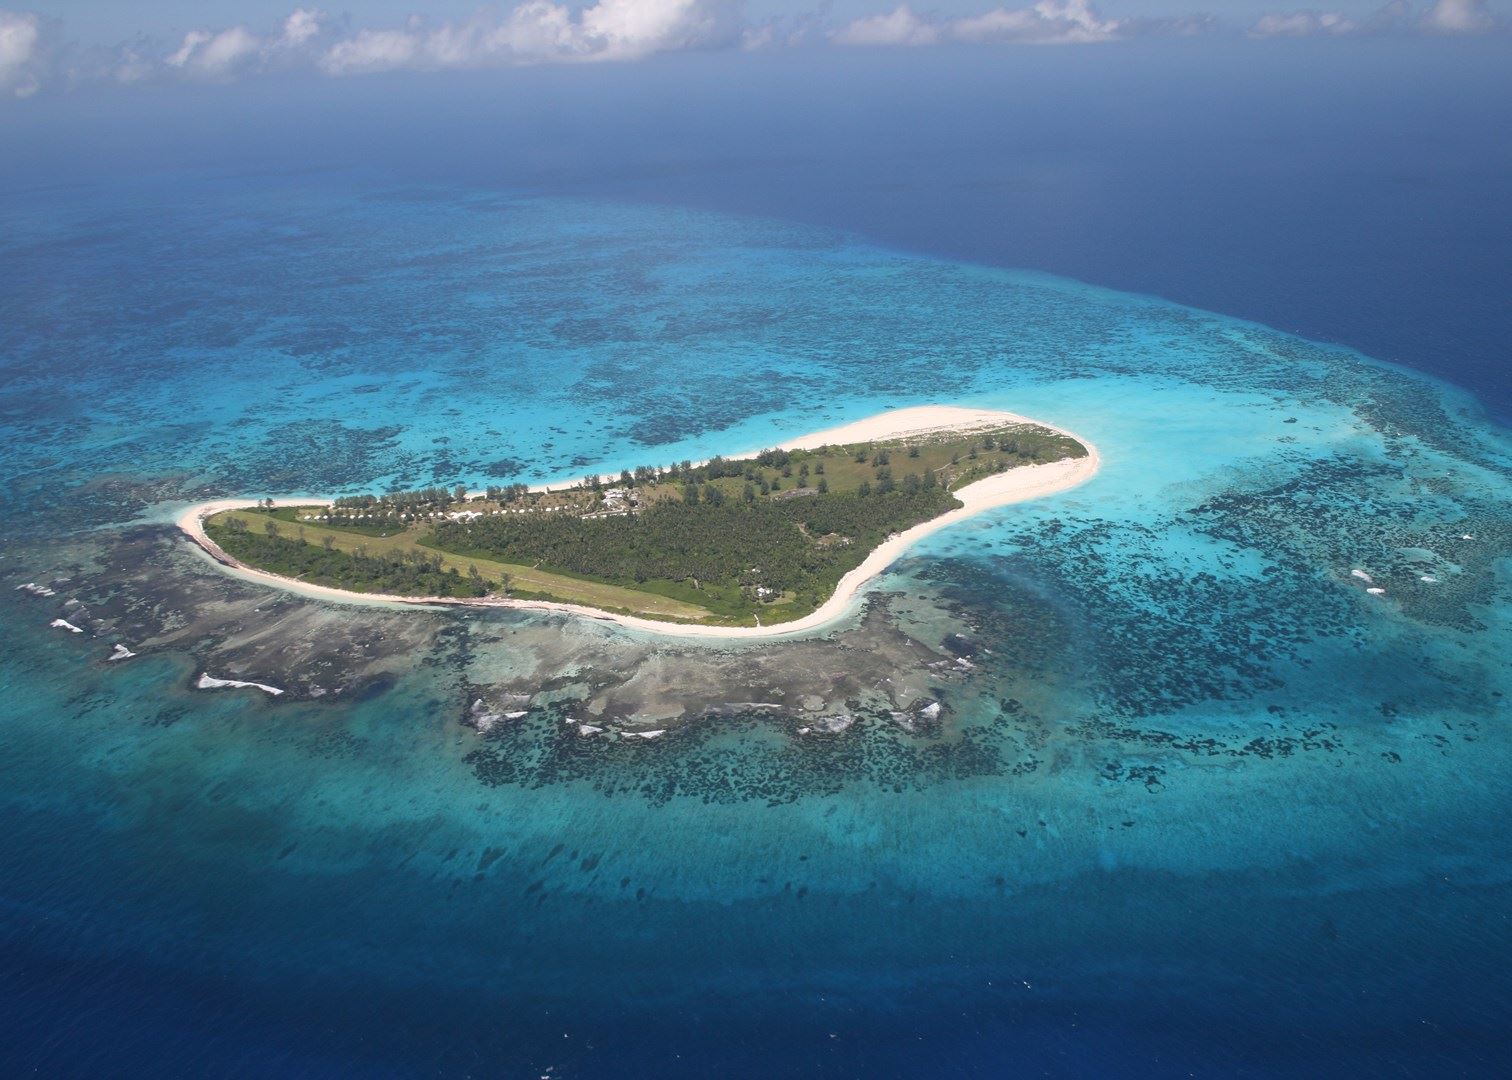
1206,803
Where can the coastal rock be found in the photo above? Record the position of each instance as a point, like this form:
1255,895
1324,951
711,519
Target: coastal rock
482,717
918,718
479,718
959,645
834,724
120,652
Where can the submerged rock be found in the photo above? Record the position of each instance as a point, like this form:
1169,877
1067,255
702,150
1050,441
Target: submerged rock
918,718
834,724
479,718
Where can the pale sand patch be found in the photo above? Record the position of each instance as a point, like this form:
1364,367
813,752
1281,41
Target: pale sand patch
915,420
1004,489
207,682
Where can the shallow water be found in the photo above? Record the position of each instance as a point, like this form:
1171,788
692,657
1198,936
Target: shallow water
1202,802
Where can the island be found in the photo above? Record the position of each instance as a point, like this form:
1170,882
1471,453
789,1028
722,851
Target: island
762,544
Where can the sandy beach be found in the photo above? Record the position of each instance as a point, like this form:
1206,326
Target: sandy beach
1004,489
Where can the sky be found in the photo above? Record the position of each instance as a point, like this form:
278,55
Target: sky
108,21
63,45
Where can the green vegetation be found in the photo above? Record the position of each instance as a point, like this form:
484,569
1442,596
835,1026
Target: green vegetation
405,573
734,557
765,538
522,582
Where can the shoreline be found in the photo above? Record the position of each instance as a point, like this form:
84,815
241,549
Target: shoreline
1003,489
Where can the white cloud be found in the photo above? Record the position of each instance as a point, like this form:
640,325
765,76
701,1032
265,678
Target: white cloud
536,29
216,56
224,54
1060,22
226,50
636,27
1395,17
300,27
20,53
784,32
897,27
32,54
1458,17
757,38
128,65
540,31
1302,24
1182,25
192,41
1049,22
371,50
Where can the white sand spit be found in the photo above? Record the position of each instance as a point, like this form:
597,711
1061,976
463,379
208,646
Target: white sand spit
207,683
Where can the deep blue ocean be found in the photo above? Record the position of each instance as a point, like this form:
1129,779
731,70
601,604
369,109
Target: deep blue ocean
1208,806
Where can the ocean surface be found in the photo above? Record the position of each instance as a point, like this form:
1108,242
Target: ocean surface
1205,804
